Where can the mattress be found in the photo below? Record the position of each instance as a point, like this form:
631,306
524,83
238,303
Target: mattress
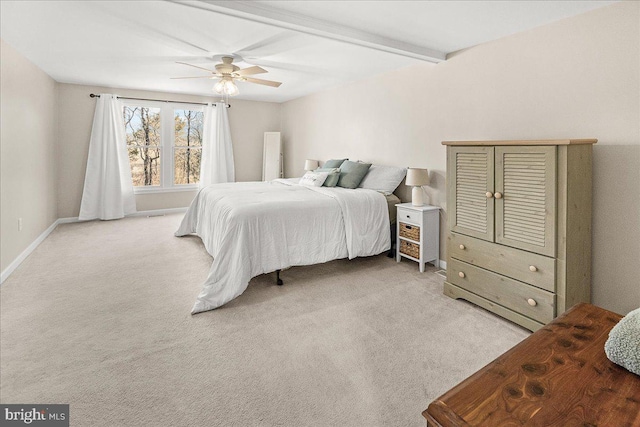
392,201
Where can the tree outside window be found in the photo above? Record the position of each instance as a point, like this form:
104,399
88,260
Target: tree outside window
142,126
187,146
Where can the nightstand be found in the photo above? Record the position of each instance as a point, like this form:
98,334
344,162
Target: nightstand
418,234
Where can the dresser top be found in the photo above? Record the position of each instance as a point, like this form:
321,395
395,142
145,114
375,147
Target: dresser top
558,376
524,142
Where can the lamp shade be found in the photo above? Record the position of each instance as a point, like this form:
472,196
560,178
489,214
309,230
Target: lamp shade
417,177
310,165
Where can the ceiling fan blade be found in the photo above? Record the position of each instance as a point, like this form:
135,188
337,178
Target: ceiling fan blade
287,66
191,65
284,41
194,77
262,82
251,70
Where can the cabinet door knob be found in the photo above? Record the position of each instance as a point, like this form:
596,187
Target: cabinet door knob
532,302
489,194
461,274
533,268
462,247
498,195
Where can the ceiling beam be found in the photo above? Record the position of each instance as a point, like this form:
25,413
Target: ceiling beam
257,12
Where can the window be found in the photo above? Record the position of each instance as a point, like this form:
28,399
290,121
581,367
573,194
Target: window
143,142
164,145
187,150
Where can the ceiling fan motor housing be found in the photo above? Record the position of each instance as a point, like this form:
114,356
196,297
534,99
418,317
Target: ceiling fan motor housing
226,67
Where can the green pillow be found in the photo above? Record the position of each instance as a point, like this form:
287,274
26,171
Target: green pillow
333,163
332,179
352,173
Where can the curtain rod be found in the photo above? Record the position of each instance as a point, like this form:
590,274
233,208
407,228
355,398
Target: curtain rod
93,95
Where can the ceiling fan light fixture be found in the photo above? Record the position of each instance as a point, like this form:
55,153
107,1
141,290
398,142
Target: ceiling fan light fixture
226,86
219,87
230,88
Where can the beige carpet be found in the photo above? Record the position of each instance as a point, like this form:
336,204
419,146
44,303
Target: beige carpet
98,317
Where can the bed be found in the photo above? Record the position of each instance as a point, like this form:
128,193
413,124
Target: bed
253,228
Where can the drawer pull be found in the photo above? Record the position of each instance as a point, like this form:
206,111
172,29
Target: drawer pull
489,194
498,195
461,274
463,247
533,268
532,302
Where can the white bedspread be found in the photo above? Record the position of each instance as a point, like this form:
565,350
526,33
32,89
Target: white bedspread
252,228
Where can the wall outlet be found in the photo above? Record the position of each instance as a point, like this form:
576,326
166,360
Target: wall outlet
19,224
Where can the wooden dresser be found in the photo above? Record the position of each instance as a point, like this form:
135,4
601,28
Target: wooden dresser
519,217
559,376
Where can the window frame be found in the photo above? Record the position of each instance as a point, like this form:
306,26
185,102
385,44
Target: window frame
167,145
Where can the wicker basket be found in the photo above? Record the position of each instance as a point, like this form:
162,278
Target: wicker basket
410,231
411,249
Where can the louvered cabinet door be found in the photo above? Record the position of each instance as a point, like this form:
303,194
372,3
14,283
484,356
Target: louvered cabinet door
471,176
525,198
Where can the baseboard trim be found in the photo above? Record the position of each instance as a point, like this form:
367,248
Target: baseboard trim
16,262
68,220
443,264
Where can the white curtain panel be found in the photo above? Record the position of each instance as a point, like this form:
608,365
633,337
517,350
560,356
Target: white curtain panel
216,165
108,187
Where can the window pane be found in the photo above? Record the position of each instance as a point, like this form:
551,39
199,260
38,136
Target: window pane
145,165
142,126
188,127
187,165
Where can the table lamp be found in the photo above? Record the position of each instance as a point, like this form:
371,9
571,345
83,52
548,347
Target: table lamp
310,165
416,178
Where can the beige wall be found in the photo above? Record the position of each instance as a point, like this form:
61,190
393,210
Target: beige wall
27,153
577,78
248,120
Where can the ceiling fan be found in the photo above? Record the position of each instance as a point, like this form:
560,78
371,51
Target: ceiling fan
228,73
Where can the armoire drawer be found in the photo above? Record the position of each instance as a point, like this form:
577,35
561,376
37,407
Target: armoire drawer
528,300
525,266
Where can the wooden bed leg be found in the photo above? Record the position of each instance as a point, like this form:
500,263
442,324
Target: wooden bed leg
278,279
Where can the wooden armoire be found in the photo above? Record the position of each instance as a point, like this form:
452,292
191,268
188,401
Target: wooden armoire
519,219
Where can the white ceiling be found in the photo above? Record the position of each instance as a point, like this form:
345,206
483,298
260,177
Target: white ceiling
307,45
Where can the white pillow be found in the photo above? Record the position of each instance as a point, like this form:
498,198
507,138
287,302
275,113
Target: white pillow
314,179
384,179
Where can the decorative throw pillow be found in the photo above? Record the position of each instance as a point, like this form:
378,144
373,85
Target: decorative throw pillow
332,179
314,179
333,163
351,174
384,179
623,345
